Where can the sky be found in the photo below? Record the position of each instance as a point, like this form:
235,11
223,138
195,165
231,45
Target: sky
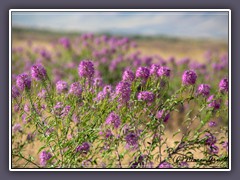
174,24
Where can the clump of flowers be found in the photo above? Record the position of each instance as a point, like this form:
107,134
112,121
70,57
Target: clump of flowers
203,89
44,157
146,96
189,77
86,69
23,81
223,85
38,72
75,89
113,119
61,86
164,71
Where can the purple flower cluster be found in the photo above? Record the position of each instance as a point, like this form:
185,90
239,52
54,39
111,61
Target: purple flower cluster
223,85
203,89
23,81
84,148
131,141
17,128
44,157
143,73
76,89
214,103
189,77
38,72
65,42
15,92
128,76
146,96
154,69
123,91
61,86
212,124
86,69
164,71
165,165
160,115
113,119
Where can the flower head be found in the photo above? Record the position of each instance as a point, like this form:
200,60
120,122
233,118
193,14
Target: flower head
38,72
132,141
123,90
65,42
165,165
223,85
128,76
15,92
84,148
17,128
44,157
189,77
212,124
86,69
154,69
160,114
146,96
75,89
211,139
61,86
23,81
203,89
113,119
142,72
164,71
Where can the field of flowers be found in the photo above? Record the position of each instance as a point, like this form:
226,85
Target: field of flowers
99,101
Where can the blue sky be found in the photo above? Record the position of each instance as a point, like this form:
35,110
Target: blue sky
176,24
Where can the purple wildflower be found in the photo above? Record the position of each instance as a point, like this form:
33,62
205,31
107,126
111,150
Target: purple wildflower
132,141
128,76
75,89
212,124
203,89
17,127
213,149
164,71
123,90
223,85
61,86
86,69
113,119
23,81
65,42
75,119
225,145
84,148
44,157
146,96
98,82
214,103
38,72
160,114
165,165
58,108
142,72
65,111
15,92
211,139
189,77
154,69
